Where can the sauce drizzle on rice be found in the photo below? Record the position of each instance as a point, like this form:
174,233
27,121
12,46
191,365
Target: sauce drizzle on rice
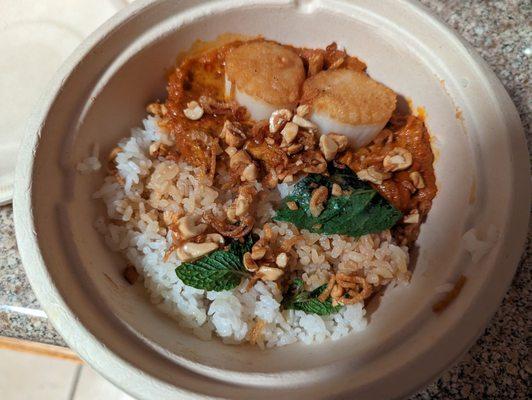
193,202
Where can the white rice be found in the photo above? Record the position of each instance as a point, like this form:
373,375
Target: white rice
91,163
134,225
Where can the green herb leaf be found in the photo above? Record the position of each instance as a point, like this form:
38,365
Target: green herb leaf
220,270
299,299
359,212
240,248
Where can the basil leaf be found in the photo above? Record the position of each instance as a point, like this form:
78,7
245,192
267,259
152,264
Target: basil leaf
220,270
299,299
360,211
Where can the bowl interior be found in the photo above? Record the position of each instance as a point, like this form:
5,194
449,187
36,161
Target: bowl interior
105,95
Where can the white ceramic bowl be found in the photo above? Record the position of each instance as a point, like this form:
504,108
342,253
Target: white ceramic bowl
101,92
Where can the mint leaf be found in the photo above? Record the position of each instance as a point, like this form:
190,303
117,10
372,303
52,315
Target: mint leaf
299,299
359,212
240,248
220,270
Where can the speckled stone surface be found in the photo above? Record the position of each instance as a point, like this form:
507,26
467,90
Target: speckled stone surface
497,366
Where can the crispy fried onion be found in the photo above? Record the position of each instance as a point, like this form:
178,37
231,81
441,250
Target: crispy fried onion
196,147
216,107
228,230
256,331
356,288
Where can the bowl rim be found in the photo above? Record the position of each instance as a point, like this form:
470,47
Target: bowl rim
101,358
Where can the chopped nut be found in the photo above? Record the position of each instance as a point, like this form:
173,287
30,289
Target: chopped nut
240,158
288,178
336,190
231,213
303,110
215,238
249,262
293,149
231,151
192,251
241,207
281,260
397,160
270,180
278,119
270,140
258,252
317,200
289,132
244,200
292,205
417,180
315,163
270,273
130,274
412,218
371,174
340,140
188,226
328,147
193,111
250,173
232,134
303,123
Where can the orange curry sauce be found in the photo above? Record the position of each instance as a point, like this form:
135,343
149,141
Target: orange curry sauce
197,143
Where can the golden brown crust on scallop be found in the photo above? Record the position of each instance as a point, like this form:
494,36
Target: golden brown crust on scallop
349,96
266,70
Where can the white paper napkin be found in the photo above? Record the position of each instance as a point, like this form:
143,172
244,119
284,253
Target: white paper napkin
36,36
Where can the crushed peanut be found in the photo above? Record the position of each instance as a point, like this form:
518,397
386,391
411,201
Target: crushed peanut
303,110
317,199
412,218
270,273
232,134
292,205
258,252
289,132
336,190
328,147
249,262
193,111
417,180
371,174
278,119
340,140
192,251
397,160
303,123
281,260
250,173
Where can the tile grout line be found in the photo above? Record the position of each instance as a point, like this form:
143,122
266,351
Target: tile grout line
75,383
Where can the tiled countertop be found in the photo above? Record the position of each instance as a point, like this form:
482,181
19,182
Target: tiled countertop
497,366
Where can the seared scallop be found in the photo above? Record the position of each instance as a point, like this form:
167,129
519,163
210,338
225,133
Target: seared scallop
264,77
350,103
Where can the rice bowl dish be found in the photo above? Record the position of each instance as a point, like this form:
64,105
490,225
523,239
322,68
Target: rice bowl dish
247,215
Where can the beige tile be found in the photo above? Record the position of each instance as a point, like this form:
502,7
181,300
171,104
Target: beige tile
92,386
27,376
